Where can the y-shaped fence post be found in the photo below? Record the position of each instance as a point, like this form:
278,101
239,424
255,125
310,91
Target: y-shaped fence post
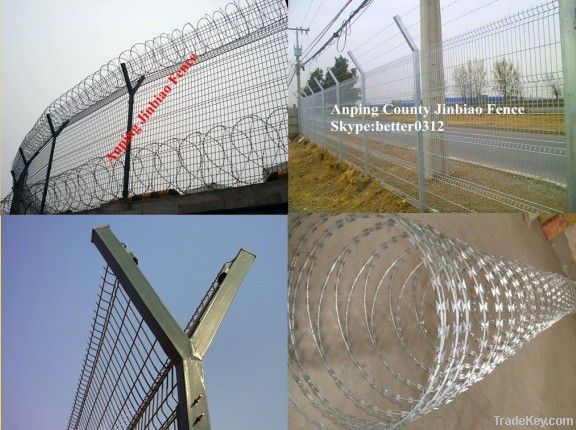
15,183
306,115
323,116
19,185
364,103
185,353
131,92
337,104
55,134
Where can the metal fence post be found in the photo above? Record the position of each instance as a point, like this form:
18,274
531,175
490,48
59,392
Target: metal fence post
323,116
417,102
364,103
337,104
568,40
55,134
131,91
19,185
308,99
301,113
185,353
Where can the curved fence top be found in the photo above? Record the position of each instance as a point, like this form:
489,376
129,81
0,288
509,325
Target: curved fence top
220,125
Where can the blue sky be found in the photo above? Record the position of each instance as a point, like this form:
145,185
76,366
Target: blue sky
50,276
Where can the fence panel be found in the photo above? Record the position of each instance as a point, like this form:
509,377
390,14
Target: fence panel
220,125
141,370
480,162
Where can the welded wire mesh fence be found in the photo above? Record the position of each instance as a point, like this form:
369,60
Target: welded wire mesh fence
481,161
390,319
223,124
127,380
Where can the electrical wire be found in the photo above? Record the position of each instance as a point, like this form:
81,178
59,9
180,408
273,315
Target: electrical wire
336,35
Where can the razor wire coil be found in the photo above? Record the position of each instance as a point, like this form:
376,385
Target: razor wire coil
224,122
390,319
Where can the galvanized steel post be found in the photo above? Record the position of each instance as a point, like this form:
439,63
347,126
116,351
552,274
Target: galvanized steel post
364,103
337,104
323,116
186,353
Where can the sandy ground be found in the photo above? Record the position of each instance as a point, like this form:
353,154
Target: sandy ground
319,182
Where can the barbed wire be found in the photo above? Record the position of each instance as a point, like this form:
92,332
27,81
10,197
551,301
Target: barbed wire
165,51
94,108
390,319
222,157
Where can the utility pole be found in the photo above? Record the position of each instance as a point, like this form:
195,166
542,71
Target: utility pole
436,151
298,53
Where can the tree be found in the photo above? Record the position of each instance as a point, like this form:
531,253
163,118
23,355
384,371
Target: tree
555,86
344,74
318,74
462,82
506,79
340,70
470,80
478,81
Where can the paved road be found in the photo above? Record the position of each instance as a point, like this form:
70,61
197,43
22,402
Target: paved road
535,155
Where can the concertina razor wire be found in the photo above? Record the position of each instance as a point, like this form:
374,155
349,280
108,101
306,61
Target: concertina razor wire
224,125
390,319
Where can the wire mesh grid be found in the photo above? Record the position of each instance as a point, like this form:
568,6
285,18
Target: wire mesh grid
221,125
480,162
390,319
127,381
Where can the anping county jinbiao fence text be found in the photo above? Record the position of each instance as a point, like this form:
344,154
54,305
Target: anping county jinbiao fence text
223,125
497,142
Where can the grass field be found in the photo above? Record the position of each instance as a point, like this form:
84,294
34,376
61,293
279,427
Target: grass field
319,182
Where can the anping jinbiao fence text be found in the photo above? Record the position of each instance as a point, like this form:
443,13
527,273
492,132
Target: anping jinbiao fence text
222,125
486,108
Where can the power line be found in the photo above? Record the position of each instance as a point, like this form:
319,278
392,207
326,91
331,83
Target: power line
316,13
371,38
326,28
419,36
336,35
472,11
306,15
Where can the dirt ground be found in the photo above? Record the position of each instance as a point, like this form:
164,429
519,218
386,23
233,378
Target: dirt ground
319,182
395,165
